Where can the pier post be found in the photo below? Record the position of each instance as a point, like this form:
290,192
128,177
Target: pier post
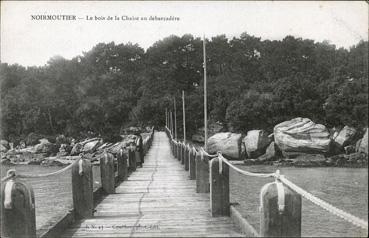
202,173
192,164
219,188
122,165
278,221
186,157
183,154
107,173
82,189
178,151
17,208
132,159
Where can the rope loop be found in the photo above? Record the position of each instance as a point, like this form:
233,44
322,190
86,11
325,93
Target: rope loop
11,173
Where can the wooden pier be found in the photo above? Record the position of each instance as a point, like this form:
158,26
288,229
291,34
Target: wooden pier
179,192
156,200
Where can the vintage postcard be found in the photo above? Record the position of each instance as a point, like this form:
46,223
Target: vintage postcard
184,118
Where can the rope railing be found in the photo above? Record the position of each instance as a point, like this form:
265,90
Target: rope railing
48,174
19,200
317,201
11,173
244,172
328,207
281,179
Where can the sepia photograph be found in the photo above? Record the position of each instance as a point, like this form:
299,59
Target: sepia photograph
184,118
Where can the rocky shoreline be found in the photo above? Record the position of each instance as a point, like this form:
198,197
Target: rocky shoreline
65,151
298,142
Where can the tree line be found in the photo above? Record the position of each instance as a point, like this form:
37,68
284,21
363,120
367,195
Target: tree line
252,84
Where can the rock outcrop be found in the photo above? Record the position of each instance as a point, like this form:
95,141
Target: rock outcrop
344,137
46,147
86,146
301,135
272,152
227,143
256,142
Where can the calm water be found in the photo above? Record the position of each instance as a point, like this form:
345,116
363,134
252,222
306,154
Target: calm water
345,188
53,195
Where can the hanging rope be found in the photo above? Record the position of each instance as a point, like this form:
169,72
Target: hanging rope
207,154
281,179
12,173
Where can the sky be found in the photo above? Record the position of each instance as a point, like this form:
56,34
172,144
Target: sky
33,42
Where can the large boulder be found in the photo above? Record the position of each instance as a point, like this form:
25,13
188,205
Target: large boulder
256,141
272,152
92,145
86,146
226,142
345,136
46,147
77,149
363,145
127,139
301,135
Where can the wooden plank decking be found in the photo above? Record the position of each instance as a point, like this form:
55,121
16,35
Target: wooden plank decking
156,200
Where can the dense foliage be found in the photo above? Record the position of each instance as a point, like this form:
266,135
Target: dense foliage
252,83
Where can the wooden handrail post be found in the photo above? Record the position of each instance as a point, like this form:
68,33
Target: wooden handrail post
82,189
171,146
183,154
132,160
17,208
202,174
277,221
192,164
174,149
107,173
219,188
178,151
122,166
186,157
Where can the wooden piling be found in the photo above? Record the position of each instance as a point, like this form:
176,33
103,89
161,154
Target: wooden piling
219,188
132,160
82,189
122,166
202,174
178,151
107,173
186,157
17,209
192,164
182,153
276,223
